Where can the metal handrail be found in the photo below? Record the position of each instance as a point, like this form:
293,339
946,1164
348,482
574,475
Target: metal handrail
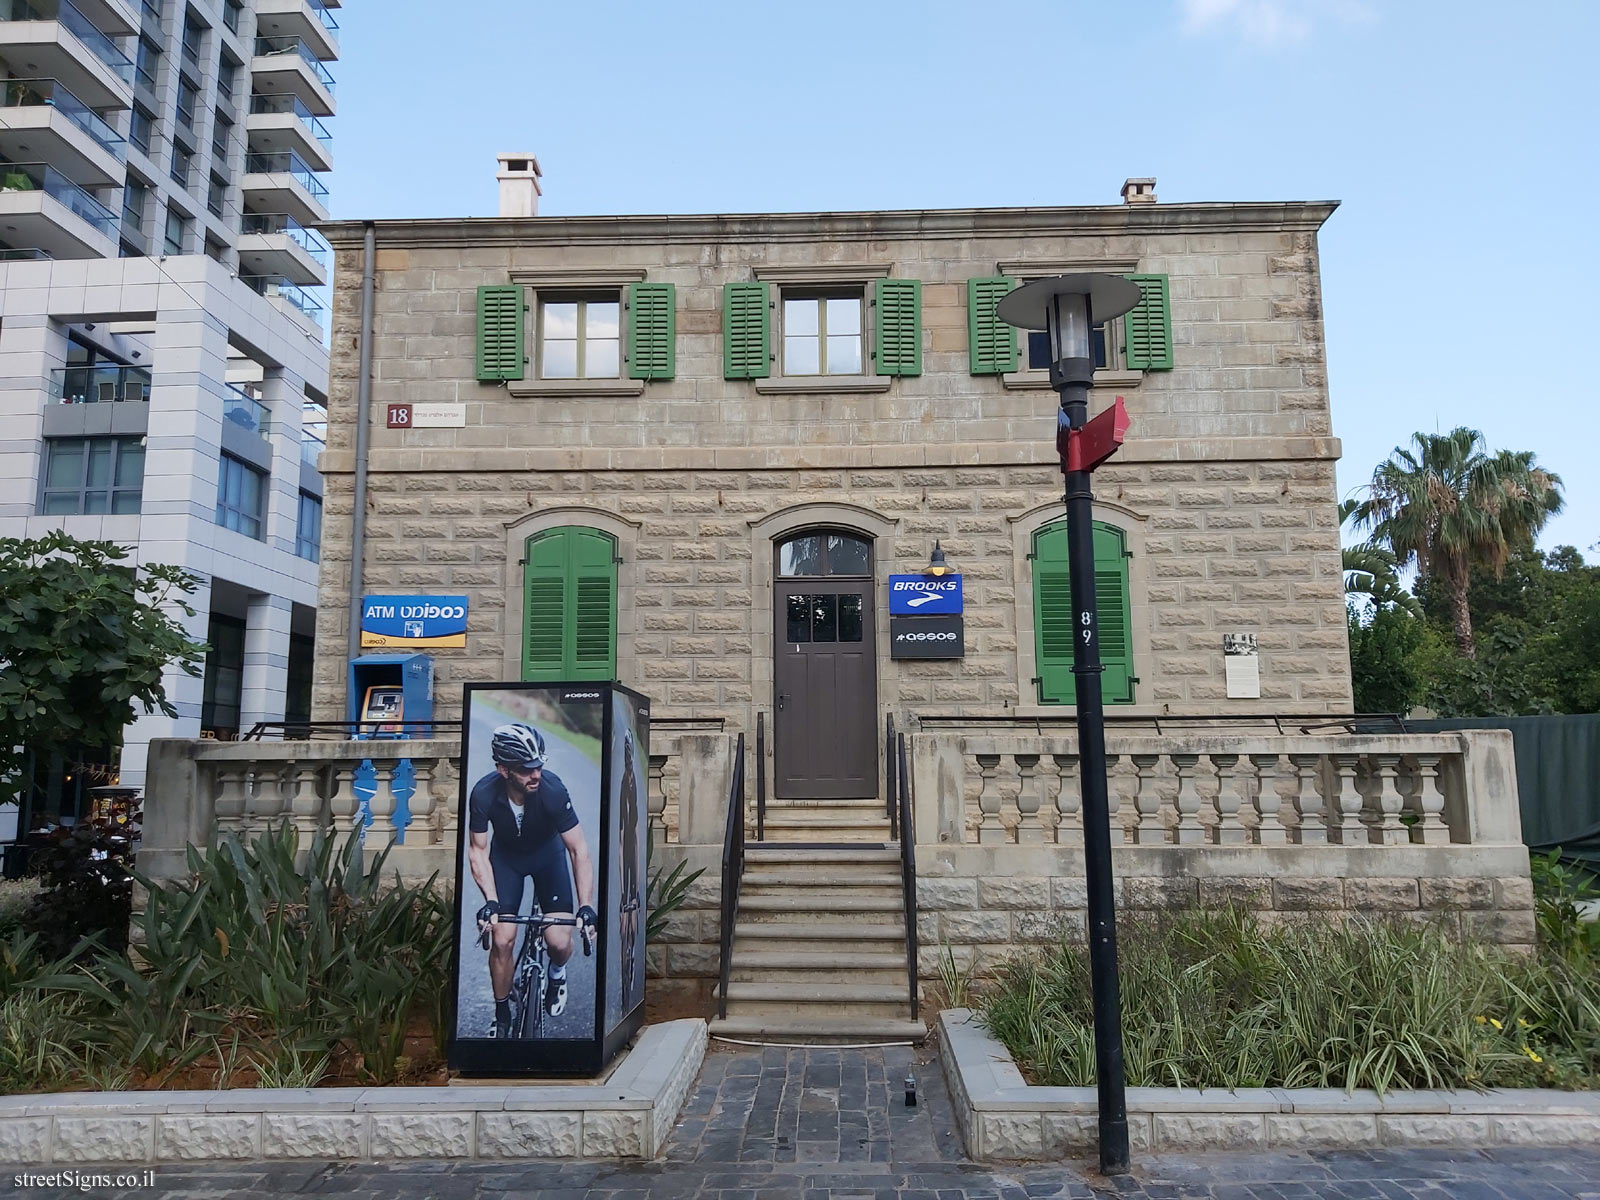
732,871
908,872
346,730
761,776
889,801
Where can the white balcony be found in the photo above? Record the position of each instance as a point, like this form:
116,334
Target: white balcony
275,244
307,20
287,66
119,18
41,120
283,124
42,209
283,183
67,47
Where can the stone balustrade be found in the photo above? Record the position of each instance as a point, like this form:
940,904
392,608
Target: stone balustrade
1220,789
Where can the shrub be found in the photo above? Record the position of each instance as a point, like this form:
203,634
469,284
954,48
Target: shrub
86,891
1213,1000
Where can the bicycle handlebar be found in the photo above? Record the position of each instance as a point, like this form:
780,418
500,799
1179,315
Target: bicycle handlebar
543,922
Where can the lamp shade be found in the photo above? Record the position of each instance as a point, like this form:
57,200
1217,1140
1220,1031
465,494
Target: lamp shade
1028,306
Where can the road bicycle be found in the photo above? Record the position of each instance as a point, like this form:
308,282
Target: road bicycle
630,946
532,969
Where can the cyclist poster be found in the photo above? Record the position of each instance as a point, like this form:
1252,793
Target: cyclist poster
625,892
548,963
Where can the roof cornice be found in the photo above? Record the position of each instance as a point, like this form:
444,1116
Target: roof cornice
1085,221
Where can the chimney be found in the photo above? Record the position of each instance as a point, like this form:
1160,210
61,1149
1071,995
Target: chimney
1134,191
519,185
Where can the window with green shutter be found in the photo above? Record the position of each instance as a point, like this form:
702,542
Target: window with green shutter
651,330
569,585
746,331
1147,329
898,343
1053,615
502,311
991,343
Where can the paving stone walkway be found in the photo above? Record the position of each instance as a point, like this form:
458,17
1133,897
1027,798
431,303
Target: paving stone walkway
770,1124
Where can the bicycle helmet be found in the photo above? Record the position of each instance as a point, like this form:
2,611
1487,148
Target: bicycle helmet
518,746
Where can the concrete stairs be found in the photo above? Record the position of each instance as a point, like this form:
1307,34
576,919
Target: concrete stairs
827,821
819,951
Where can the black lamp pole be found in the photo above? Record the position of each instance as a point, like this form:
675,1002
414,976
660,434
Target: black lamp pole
1071,375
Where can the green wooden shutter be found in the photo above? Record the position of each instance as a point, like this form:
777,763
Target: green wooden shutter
570,605
991,343
593,598
651,330
898,343
501,311
746,331
1147,330
1053,615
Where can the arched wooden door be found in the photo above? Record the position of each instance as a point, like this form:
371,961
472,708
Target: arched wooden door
825,677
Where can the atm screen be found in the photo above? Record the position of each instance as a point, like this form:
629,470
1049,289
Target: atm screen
384,703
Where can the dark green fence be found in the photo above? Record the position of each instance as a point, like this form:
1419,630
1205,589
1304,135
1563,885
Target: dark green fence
1558,778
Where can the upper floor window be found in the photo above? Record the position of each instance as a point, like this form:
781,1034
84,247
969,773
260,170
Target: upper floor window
230,14
822,333
140,126
227,76
177,232
182,159
308,528
92,475
188,94
241,497
580,338
148,62
193,33
1140,340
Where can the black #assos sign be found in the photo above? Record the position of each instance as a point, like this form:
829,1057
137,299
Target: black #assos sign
927,637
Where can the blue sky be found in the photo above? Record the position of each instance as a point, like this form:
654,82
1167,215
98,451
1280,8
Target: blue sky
1458,275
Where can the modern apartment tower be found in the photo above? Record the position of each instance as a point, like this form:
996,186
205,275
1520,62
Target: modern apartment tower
163,369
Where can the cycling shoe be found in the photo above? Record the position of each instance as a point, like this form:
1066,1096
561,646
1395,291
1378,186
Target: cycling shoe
555,996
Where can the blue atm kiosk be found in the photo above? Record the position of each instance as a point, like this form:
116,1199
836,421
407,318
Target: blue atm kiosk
394,688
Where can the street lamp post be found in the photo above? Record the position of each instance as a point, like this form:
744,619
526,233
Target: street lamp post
1068,307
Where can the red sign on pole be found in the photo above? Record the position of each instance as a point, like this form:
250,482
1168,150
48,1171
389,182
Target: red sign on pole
1098,440
399,416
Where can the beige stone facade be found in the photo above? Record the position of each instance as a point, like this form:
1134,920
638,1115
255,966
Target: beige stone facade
1225,490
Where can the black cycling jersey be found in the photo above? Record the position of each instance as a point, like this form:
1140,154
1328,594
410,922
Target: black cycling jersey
547,814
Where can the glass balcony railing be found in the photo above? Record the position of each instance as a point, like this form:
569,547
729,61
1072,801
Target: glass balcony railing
284,289
23,254
308,239
35,93
293,104
77,24
287,163
37,177
326,17
273,47
244,410
313,434
100,383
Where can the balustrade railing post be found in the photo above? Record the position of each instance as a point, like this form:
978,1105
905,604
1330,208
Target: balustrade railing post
305,803
1229,830
232,799
1431,829
1189,831
382,831
1270,829
1119,835
657,790
1308,800
1347,803
1069,821
1029,830
989,828
1386,825
344,804
422,800
1149,831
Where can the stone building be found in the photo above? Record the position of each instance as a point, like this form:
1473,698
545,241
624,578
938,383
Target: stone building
697,391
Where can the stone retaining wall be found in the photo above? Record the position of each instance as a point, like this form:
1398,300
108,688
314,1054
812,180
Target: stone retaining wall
1002,1119
629,1116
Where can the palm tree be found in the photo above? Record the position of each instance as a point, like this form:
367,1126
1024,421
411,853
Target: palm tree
1450,507
1370,570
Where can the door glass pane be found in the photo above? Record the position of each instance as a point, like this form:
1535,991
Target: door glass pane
66,465
802,556
799,618
824,618
848,555
850,618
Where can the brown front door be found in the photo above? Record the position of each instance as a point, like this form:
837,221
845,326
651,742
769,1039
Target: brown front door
825,677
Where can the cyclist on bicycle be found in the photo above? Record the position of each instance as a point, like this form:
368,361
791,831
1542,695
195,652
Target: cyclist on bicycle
628,795
535,833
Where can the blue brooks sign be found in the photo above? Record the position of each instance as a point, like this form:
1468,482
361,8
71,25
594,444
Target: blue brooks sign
924,595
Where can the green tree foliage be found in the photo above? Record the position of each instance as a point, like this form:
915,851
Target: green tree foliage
1451,508
83,643
1385,666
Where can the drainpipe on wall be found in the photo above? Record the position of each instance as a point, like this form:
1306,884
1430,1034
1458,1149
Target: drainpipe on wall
358,532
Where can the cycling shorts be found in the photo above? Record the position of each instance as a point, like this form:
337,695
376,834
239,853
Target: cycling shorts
552,878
